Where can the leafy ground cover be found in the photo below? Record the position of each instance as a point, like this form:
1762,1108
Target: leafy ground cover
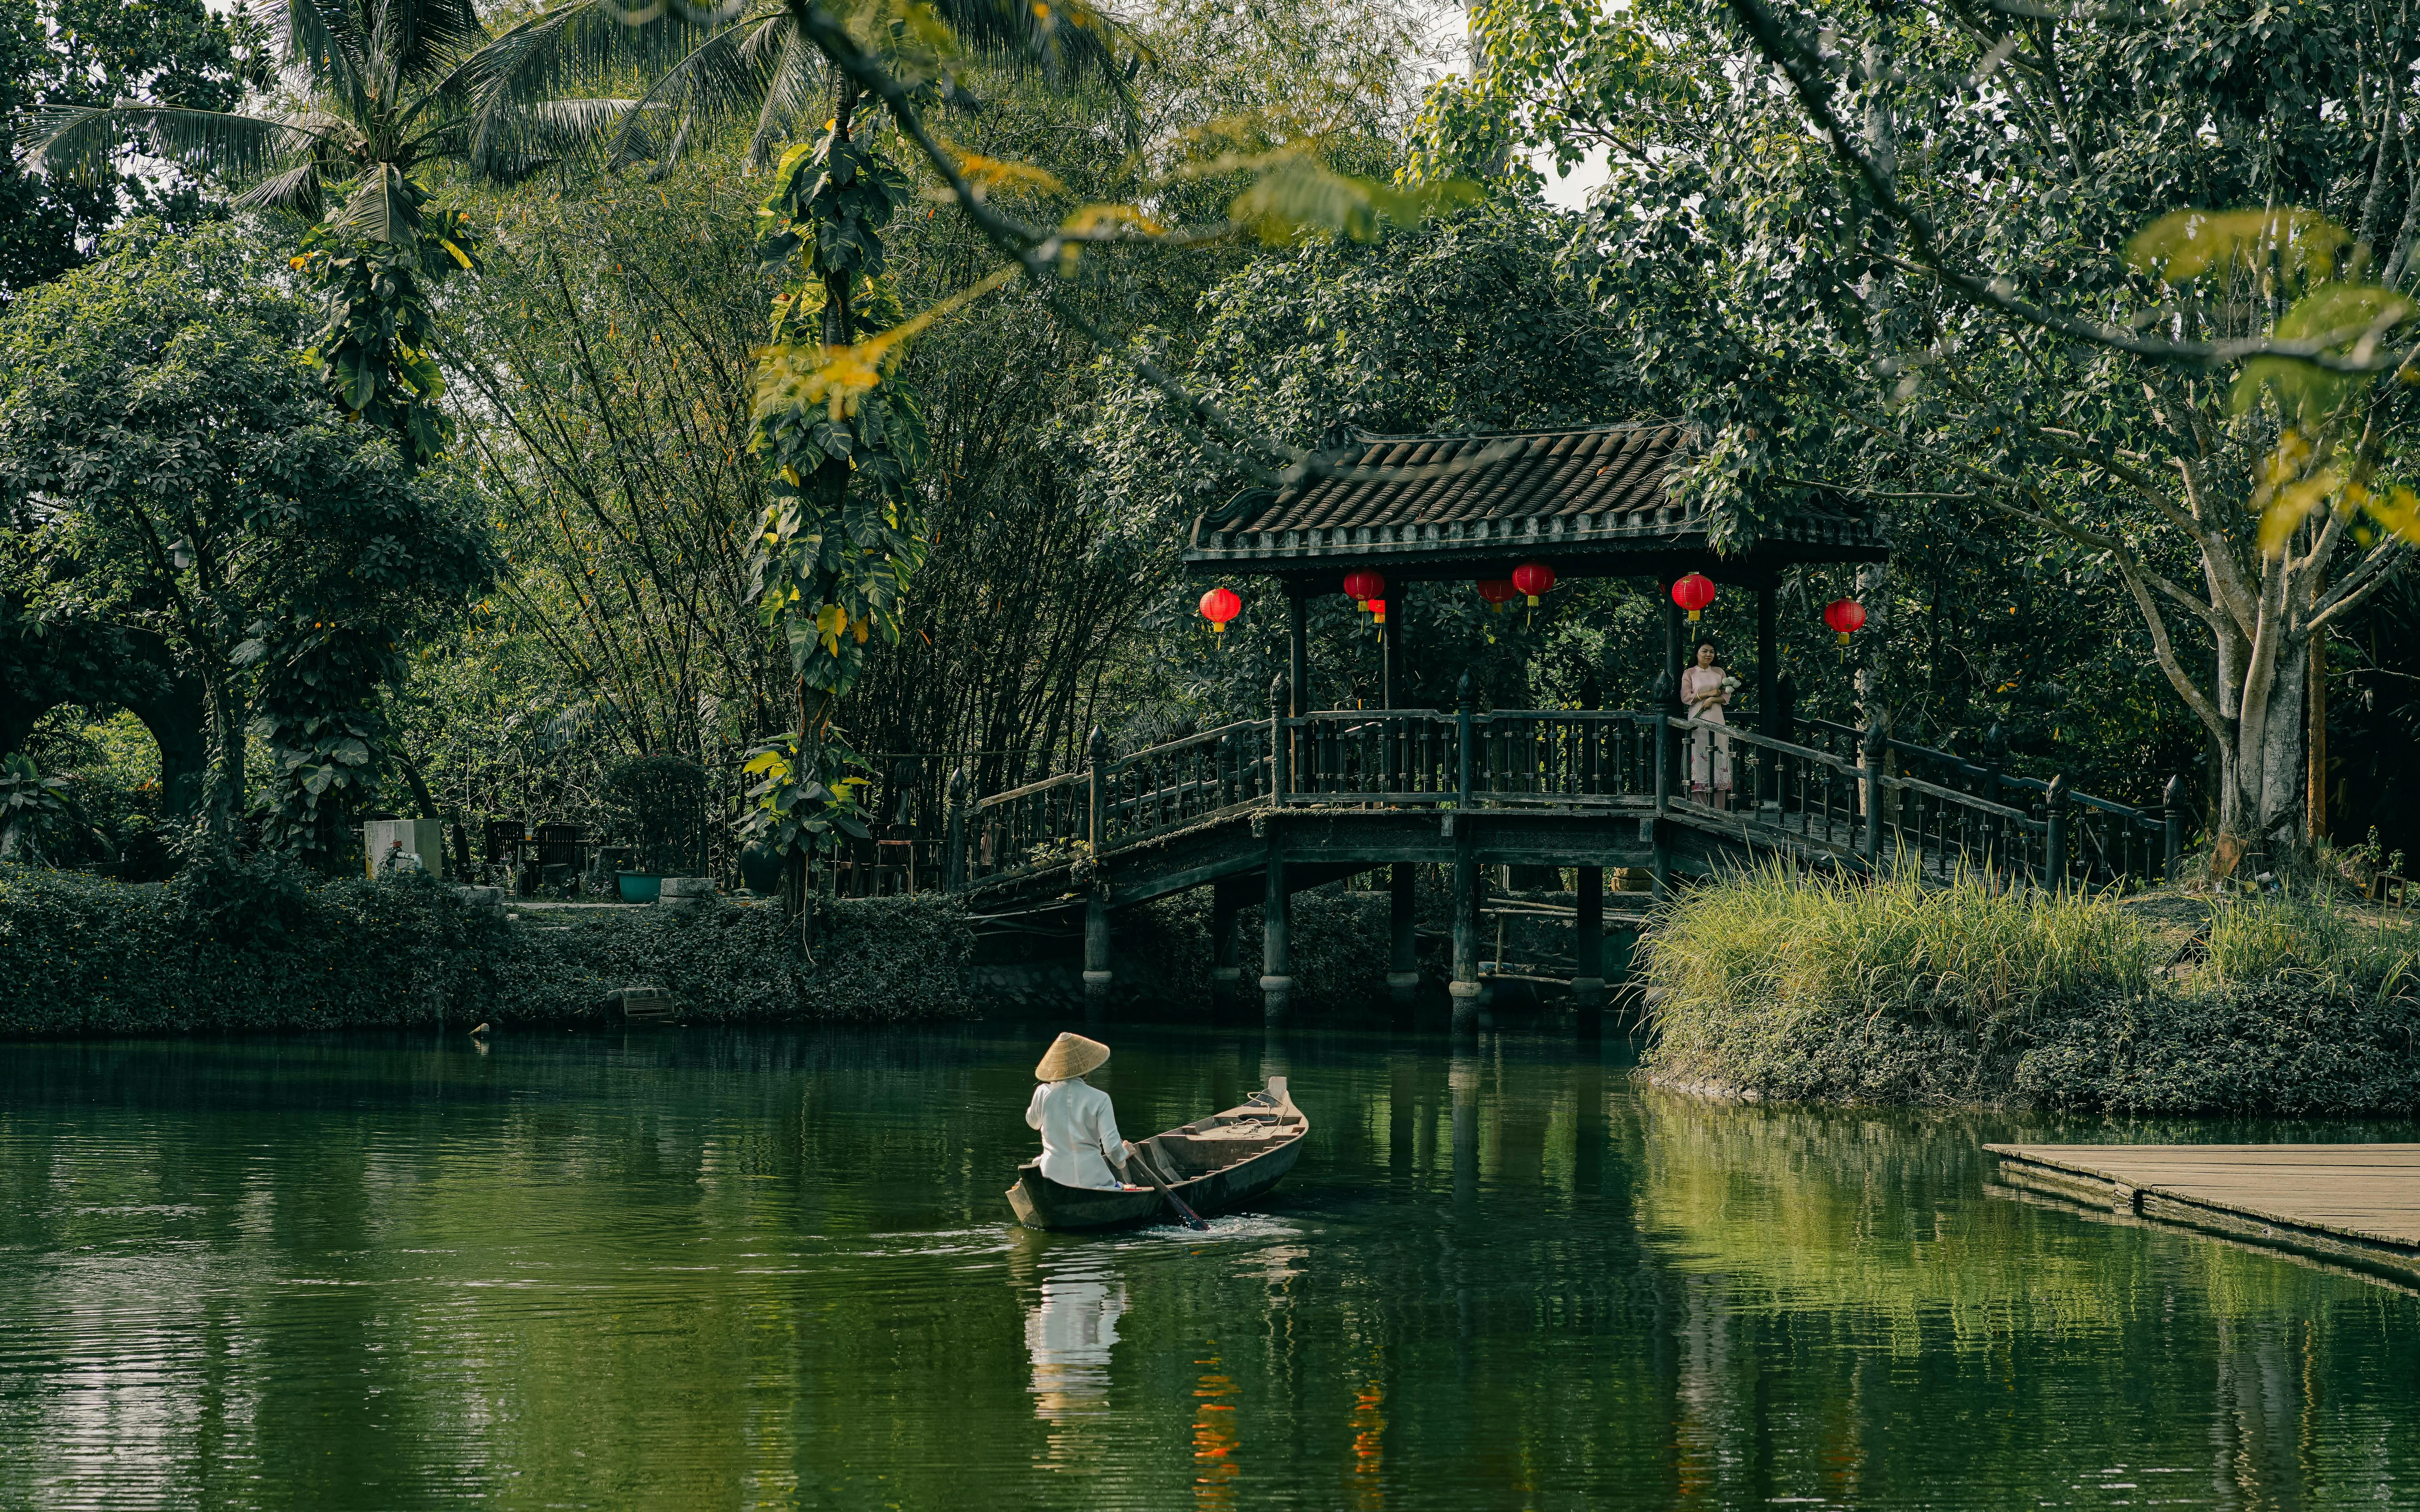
1832,989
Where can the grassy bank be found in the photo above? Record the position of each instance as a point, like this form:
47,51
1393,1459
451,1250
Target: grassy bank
259,950
1814,988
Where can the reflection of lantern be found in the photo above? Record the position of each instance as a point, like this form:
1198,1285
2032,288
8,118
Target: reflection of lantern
1498,592
1693,593
1845,616
1218,606
1363,585
1378,610
1533,577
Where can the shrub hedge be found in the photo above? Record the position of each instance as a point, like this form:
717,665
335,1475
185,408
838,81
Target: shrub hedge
238,948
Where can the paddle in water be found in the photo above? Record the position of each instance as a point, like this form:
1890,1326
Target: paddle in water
1138,1156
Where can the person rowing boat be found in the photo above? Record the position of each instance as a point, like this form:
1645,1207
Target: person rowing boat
1080,1146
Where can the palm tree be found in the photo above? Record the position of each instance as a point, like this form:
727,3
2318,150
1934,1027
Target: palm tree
766,60
386,86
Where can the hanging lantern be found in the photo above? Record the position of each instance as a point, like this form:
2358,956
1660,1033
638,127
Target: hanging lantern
1693,593
1362,585
1846,616
1378,610
1498,592
1533,577
1218,606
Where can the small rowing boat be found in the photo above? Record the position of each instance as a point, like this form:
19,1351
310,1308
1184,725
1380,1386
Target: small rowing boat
1213,1164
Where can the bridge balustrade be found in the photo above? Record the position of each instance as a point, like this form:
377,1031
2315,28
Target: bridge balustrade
1571,761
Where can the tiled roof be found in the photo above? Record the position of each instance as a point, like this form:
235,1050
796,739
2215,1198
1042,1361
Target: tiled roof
1595,492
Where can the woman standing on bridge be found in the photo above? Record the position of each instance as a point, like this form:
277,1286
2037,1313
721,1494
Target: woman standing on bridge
1704,690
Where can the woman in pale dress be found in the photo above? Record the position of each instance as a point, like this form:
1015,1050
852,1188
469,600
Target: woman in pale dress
1703,695
1080,1146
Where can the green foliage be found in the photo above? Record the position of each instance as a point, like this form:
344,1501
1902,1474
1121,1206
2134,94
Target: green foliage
1838,990
193,487
2269,1048
34,809
245,945
841,533
800,804
97,52
375,354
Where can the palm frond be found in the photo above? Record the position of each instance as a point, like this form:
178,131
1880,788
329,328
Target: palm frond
298,188
726,73
1075,44
77,142
421,38
797,76
321,42
383,206
546,55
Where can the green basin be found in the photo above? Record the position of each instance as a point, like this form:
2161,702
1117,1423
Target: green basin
640,886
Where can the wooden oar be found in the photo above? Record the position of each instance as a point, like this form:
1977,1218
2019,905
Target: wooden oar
1192,1219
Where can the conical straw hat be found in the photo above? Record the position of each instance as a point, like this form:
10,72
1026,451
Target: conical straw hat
1070,1054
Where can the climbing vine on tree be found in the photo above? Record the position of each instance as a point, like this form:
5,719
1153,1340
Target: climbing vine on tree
373,354
844,439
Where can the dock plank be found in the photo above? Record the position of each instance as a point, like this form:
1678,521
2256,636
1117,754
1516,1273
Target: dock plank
2357,1202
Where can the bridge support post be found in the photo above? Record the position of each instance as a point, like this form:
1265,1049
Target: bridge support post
1098,979
1276,953
1869,836
2054,875
1403,966
1768,696
1588,948
1226,966
954,865
1464,986
2172,805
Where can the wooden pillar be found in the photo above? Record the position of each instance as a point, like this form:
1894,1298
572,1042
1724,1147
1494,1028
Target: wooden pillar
1226,959
1587,947
1097,976
1277,954
1297,647
1675,657
1768,694
1403,964
1464,986
1768,665
1391,647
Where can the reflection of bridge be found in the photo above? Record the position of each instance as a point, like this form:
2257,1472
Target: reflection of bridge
1262,808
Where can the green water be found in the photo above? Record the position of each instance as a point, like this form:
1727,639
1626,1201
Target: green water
697,1270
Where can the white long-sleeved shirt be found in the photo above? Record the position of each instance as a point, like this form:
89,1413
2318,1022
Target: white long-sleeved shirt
1079,1132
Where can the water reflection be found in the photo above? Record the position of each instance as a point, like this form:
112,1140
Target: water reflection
1069,1332
734,1271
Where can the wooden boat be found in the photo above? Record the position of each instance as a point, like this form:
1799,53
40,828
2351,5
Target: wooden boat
1214,1164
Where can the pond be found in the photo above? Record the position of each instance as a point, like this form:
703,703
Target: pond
703,1269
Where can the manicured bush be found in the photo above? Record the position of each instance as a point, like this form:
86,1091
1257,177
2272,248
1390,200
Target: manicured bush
228,945
2269,1047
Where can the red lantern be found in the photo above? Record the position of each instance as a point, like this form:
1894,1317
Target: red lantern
1533,577
1218,606
1362,585
1378,610
1846,616
1693,593
1498,592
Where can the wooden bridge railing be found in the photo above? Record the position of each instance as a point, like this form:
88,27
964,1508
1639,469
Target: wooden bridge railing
1564,759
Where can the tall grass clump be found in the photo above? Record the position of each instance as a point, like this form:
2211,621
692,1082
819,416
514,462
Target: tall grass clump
1891,989
2310,940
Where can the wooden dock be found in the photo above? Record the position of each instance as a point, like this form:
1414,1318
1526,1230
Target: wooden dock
2357,1206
